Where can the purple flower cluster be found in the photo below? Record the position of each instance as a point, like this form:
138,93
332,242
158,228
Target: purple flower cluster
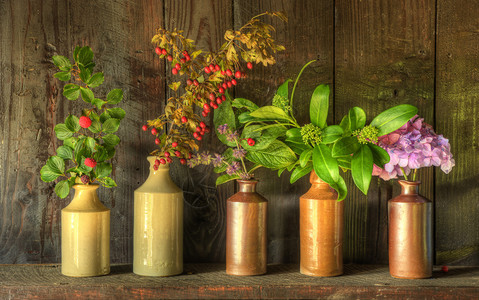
415,145
239,153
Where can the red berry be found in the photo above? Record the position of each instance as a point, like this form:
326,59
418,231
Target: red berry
90,162
85,122
233,81
204,114
206,106
184,119
144,127
187,57
183,161
215,106
157,141
249,65
174,144
212,96
229,84
217,68
178,66
85,179
445,269
224,85
223,98
196,83
238,74
154,131
169,58
177,153
218,100
174,71
228,72
221,90
195,135
212,103
212,68
199,138
207,70
157,162
162,161
223,72
164,52
198,128
167,154
251,142
182,60
202,124
185,53
189,82
169,160
155,167
202,132
158,50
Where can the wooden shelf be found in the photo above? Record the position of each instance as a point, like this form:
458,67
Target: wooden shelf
210,281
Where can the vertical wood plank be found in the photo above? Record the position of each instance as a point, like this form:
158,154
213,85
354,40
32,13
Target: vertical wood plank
384,56
457,103
308,35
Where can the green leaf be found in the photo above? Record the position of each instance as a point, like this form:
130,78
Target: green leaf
300,172
245,117
325,166
85,55
75,53
277,155
71,91
283,89
380,156
297,148
224,115
262,138
72,123
362,168
345,146
116,112
280,171
65,152
345,162
270,113
87,95
56,164
103,169
70,142
341,188
80,150
104,116
62,63
98,103
96,80
107,182
244,103
357,118
84,168
225,178
345,125
393,118
293,135
110,152
101,154
85,74
62,189
305,157
63,76
111,125
318,109
111,140
114,96
62,132
331,134
95,126
90,143
47,175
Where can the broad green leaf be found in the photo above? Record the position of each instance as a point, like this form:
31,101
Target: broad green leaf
345,162
325,166
63,76
244,103
70,142
362,168
305,157
111,140
65,152
62,132
283,89
98,103
280,171
75,53
71,91
72,123
331,134
319,106
393,118
116,112
95,126
300,172
107,182
101,154
62,63
110,152
345,146
103,169
345,125
245,117
297,148
96,80
104,116
293,135
87,95
114,96
62,189
56,164
85,55
225,178
80,150
85,73
380,156
90,143
224,114
270,113
341,188
90,66
84,168
47,175
277,155
111,125
357,118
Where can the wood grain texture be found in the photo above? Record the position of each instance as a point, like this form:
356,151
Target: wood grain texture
304,41
209,281
384,56
457,103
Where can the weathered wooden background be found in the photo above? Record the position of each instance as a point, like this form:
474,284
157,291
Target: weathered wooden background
374,54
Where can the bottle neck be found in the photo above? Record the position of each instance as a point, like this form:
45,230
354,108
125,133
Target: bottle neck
409,187
247,186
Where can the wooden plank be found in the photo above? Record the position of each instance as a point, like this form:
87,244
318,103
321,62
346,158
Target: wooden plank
209,281
205,22
307,36
384,55
457,105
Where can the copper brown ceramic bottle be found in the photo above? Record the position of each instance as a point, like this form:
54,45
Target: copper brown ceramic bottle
410,233
321,230
246,231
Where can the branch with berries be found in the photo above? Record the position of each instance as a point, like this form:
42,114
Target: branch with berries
208,77
89,140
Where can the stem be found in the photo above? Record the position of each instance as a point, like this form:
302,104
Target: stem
414,175
295,84
242,161
404,173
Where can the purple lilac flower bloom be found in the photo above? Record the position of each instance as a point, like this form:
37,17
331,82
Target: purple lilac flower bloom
223,129
233,168
239,152
231,137
217,160
205,158
245,176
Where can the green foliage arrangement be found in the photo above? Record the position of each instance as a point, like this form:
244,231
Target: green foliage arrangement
89,140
